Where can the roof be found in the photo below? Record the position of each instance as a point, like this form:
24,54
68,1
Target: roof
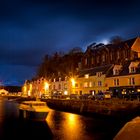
125,69
100,46
92,71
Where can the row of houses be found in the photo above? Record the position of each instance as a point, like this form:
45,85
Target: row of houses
114,68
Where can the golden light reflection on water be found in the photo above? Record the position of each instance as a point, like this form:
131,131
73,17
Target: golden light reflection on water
69,126
72,126
1,110
49,119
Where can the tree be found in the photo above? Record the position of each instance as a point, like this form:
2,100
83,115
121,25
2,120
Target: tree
75,50
116,39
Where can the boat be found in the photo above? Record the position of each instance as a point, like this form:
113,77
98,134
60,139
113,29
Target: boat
33,110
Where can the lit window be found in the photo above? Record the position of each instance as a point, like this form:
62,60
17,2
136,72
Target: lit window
86,84
116,72
132,70
99,83
116,82
65,86
76,85
99,74
90,84
86,75
59,86
132,81
117,69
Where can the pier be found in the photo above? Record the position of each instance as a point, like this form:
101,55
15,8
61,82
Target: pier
119,108
114,107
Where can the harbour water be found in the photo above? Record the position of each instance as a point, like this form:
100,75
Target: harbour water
58,125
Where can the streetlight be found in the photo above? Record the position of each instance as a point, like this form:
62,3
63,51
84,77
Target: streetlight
73,83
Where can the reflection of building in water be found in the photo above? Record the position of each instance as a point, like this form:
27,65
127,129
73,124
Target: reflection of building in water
1,111
72,127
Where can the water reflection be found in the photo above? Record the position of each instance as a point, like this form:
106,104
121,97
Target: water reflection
58,126
67,126
73,127
15,128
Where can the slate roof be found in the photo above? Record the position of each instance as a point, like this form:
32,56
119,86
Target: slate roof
129,42
125,70
92,71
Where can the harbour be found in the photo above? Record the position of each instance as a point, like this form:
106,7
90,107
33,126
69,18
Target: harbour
58,125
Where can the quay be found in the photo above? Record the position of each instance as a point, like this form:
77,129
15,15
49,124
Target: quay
118,108
114,107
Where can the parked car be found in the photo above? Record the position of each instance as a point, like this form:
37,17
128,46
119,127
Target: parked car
84,96
57,95
92,97
74,96
132,96
107,95
43,96
102,95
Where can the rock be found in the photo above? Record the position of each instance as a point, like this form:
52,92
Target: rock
130,131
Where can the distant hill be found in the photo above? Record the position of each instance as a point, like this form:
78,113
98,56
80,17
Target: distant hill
12,88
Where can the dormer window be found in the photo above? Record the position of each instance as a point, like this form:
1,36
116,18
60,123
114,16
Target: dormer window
133,66
99,74
117,69
132,70
86,76
116,72
59,79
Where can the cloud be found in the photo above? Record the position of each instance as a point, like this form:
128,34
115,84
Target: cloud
16,74
32,28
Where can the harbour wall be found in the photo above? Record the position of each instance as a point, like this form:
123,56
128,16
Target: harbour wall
115,108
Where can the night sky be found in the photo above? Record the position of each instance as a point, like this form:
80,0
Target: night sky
29,29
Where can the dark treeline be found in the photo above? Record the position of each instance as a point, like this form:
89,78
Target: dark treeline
60,64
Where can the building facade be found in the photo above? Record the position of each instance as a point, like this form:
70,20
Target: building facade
100,54
92,81
124,79
114,67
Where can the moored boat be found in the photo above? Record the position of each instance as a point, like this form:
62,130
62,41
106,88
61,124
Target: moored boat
34,110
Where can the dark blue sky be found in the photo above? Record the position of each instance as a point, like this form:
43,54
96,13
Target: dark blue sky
29,29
